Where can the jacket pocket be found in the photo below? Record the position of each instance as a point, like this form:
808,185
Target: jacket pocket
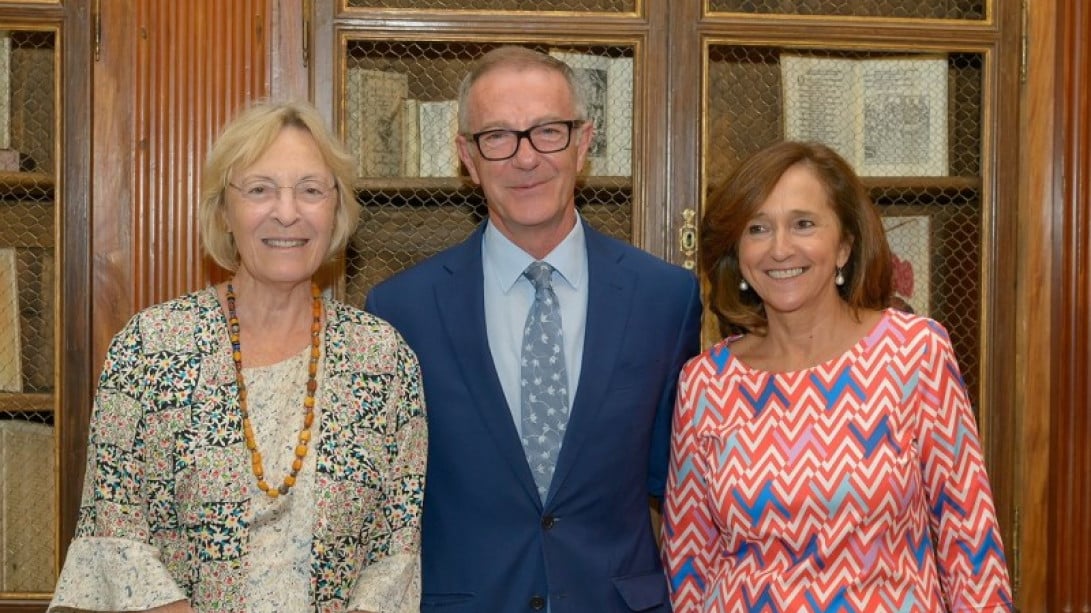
644,591
440,600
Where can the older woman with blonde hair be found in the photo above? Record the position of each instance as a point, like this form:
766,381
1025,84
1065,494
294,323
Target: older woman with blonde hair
256,446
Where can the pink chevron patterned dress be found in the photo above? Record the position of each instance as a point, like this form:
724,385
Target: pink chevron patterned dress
853,486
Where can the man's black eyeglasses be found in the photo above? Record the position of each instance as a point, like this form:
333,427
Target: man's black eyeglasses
549,137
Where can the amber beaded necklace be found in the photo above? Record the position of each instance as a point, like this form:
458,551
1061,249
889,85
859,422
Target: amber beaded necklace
308,403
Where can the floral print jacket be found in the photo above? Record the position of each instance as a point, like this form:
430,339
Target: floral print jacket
168,470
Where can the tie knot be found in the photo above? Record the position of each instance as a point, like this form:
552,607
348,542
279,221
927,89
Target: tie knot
540,275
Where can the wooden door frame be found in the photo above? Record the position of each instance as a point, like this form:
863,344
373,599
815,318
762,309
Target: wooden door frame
1068,551
74,352
1035,299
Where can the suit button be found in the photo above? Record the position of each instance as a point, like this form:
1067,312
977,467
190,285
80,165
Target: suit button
537,603
548,521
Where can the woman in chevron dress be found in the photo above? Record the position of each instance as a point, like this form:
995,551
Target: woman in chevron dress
824,455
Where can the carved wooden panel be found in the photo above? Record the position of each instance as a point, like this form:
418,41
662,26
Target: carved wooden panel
169,75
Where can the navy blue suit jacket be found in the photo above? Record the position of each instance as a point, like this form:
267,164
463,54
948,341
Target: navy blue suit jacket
489,543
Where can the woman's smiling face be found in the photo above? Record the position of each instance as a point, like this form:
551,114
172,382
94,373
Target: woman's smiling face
791,248
284,239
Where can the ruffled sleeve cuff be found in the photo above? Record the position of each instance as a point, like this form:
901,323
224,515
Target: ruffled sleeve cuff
391,585
113,574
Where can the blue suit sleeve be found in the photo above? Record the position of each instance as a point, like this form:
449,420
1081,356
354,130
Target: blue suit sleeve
688,345
371,304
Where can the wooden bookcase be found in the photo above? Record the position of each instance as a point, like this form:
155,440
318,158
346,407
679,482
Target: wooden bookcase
706,88
29,61
716,98
707,91
45,57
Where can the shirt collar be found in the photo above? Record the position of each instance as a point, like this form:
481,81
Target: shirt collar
507,261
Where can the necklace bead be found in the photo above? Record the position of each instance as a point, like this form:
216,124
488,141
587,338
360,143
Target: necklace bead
304,439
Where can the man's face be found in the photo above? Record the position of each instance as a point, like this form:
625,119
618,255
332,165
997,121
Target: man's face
530,196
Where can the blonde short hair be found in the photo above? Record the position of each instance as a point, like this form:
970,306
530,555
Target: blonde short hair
245,139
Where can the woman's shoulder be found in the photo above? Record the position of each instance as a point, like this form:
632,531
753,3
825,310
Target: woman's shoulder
186,325
913,325
910,338
370,341
717,357
183,314
346,315
199,302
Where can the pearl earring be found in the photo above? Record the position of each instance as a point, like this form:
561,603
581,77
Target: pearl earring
743,286
840,278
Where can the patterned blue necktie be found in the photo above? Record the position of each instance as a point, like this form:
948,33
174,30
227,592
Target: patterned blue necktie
544,381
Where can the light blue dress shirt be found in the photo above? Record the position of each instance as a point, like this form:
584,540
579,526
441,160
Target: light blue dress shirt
509,295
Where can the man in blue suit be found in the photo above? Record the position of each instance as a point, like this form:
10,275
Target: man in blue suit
495,540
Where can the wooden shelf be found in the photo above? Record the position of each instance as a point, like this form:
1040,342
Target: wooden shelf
22,184
16,402
451,184
923,190
413,184
922,183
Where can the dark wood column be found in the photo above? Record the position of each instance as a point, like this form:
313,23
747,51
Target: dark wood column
1070,457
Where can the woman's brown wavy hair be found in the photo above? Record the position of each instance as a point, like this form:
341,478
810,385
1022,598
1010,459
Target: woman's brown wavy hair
868,276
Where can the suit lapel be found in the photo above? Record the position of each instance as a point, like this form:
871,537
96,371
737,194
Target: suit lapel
461,305
610,288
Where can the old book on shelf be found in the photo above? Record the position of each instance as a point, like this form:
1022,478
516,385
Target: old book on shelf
9,158
438,129
33,70
619,118
411,138
5,96
608,83
26,506
11,346
38,320
375,100
910,243
886,116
